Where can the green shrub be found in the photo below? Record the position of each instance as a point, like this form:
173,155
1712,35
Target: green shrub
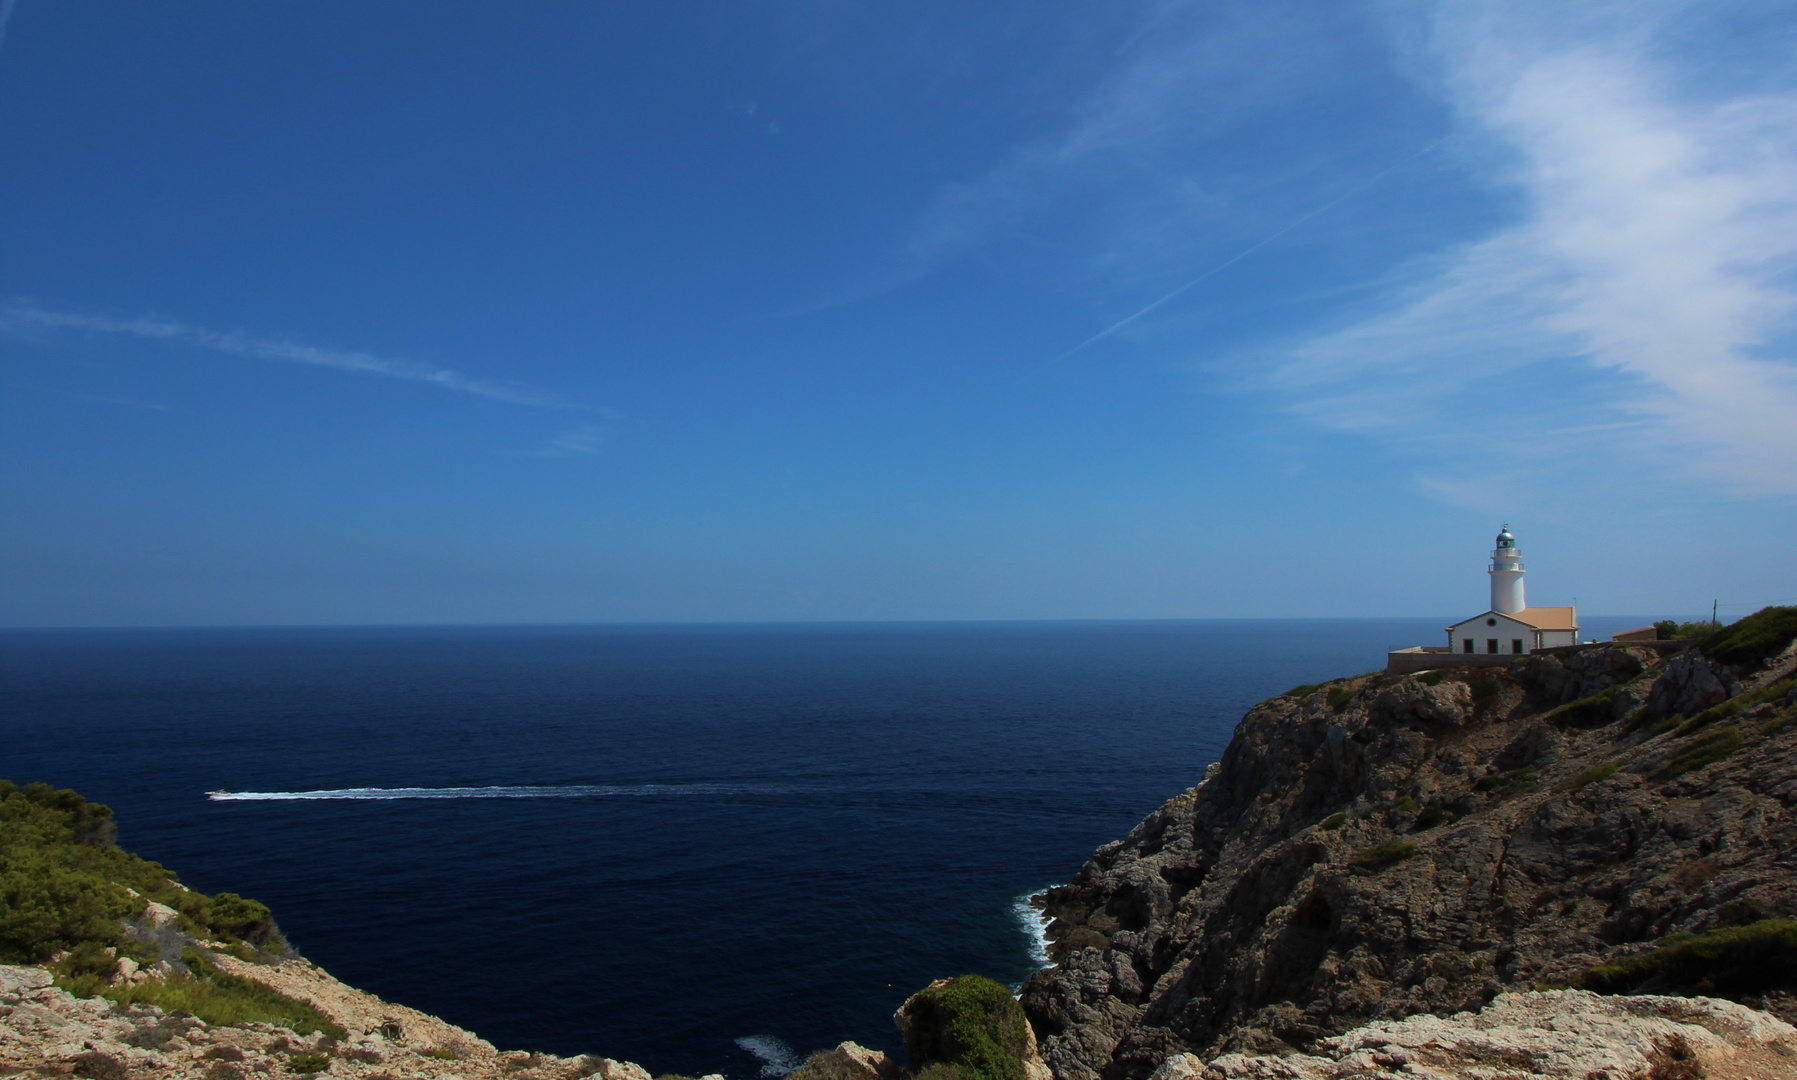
1703,750
1517,779
1304,691
1431,817
309,1063
1334,821
1764,633
970,1024
441,1054
64,882
1483,691
1585,713
1375,859
1650,725
1406,804
1591,776
1339,696
1669,630
1430,678
1755,958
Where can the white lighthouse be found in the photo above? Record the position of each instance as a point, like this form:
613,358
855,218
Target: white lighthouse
1506,575
1511,628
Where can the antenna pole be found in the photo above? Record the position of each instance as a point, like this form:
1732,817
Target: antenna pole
1713,604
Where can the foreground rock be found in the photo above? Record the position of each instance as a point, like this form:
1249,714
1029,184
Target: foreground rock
1565,1033
1385,846
46,1031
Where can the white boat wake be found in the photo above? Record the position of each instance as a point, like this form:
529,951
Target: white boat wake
528,791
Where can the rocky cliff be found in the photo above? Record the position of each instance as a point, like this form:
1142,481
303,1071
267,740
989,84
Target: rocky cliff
1378,847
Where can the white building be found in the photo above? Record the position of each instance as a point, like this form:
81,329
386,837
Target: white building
1511,626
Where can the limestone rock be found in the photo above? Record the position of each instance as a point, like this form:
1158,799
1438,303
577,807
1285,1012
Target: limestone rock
1564,1033
1389,848
621,1070
847,1061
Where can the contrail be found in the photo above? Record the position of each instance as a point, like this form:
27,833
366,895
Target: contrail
21,315
1245,252
6,7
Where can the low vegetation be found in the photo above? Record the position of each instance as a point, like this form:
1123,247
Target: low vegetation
1375,859
1737,704
1749,959
63,882
1704,750
308,1063
1591,776
1673,630
1334,821
67,891
1585,713
969,1028
1763,634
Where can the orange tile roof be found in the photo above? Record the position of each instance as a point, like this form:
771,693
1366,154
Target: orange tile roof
1548,618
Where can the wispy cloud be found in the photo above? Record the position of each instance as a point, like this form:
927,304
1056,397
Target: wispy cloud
6,10
1646,287
22,317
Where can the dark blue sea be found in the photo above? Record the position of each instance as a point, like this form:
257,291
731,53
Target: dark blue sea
704,849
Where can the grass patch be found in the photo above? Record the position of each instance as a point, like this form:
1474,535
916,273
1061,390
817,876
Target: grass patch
1484,690
1591,776
440,1054
1339,696
1334,821
969,1028
309,1063
1585,713
1406,804
1763,634
1304,691
1780,722
1375,859
1703,750
1650,725
1747,959
212,995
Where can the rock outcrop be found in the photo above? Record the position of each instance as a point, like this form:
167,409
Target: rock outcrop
45,1030
1564,1033
1386,846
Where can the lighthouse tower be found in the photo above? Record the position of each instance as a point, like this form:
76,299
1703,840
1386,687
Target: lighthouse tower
1506,575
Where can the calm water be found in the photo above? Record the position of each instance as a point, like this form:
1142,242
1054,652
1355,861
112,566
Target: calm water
746,842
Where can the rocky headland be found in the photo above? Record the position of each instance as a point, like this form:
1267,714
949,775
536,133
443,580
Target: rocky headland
1583,865
1612,817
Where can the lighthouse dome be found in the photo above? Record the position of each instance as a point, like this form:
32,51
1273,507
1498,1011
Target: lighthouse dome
1504,539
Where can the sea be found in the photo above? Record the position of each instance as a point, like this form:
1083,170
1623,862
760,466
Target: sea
700,848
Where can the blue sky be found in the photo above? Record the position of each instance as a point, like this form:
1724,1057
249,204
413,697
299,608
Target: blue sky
348,312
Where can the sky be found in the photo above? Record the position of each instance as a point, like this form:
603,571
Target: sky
345,313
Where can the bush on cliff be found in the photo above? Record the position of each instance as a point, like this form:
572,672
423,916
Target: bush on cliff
1764,633
64,882
968,1028
1749,959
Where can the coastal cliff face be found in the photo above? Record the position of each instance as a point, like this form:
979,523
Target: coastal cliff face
1378,847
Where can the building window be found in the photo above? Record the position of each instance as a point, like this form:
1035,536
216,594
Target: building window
1516,645
1491,645
1467,644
